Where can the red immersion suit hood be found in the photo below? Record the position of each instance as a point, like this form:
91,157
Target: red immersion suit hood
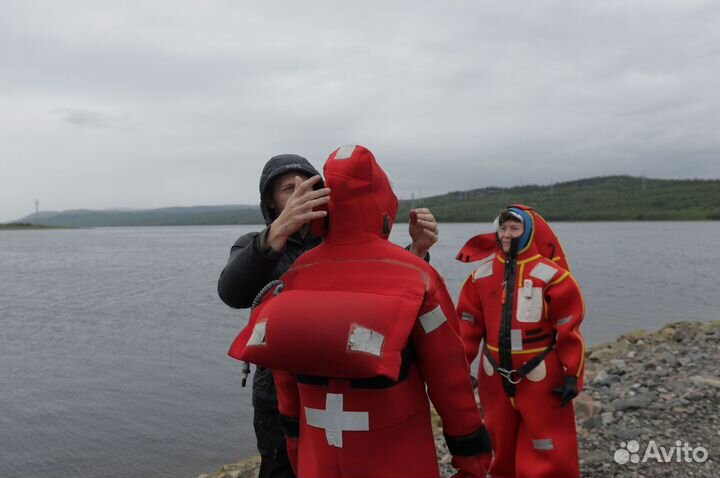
362,203
543,241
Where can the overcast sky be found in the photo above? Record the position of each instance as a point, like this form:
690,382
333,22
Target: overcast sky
108,104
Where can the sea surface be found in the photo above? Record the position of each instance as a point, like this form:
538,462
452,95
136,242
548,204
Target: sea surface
113,341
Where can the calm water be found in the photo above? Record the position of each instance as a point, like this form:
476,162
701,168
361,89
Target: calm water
113,341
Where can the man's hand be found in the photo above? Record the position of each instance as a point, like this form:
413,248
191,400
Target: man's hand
298,210
423,231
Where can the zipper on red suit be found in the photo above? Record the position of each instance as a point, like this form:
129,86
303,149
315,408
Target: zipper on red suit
504,341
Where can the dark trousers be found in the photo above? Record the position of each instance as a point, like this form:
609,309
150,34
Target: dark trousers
274,462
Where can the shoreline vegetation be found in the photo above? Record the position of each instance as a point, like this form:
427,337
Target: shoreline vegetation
658,387
607,198
24,226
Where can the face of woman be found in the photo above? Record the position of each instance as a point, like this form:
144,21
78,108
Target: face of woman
508,231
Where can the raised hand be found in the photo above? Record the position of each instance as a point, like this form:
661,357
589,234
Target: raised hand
298,210
423,230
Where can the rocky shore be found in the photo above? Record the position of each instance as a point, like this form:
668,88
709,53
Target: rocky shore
650,408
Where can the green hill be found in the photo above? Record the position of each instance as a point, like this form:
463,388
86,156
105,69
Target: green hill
608,198
169,216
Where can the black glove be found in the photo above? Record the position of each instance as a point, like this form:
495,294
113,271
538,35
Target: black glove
568,391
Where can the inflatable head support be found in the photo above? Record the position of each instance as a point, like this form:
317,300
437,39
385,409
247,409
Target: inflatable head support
538,234
362,204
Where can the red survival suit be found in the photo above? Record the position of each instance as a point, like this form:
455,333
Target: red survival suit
359,328
533,320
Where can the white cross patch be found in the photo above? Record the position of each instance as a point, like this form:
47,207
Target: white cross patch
335,421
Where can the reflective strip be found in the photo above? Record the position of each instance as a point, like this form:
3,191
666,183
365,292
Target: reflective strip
432,320
520,352
544,444
468,317
485,270
560,279
544,272
365,340
334,420
565,320
516,339
345,152
258,334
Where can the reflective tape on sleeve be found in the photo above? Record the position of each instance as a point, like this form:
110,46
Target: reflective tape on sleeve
432,320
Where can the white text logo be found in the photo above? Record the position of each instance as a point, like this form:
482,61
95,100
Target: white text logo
681,452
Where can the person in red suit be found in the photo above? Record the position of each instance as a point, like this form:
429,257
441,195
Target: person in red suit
359,334
526,308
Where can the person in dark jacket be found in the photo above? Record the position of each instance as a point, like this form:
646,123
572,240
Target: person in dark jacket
290,187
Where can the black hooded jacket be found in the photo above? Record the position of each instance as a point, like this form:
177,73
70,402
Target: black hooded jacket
252,265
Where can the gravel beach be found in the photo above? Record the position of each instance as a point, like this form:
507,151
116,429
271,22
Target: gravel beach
650,408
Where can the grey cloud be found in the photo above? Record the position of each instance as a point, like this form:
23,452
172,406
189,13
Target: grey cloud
90,119
182,104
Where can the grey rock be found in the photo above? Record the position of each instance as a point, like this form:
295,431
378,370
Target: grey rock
618,364
625,434
604,378
603,354
685,361
596,458
633,403
668,358
607,418
709,381
684,334
592,423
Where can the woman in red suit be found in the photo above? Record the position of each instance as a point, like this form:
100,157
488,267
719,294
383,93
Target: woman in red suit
524,306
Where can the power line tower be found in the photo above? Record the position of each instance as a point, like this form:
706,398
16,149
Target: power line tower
37,211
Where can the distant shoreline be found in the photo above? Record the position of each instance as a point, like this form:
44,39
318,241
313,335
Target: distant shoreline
22,226
608,198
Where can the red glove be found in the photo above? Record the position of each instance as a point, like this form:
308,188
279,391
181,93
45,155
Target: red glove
292,451
471,466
